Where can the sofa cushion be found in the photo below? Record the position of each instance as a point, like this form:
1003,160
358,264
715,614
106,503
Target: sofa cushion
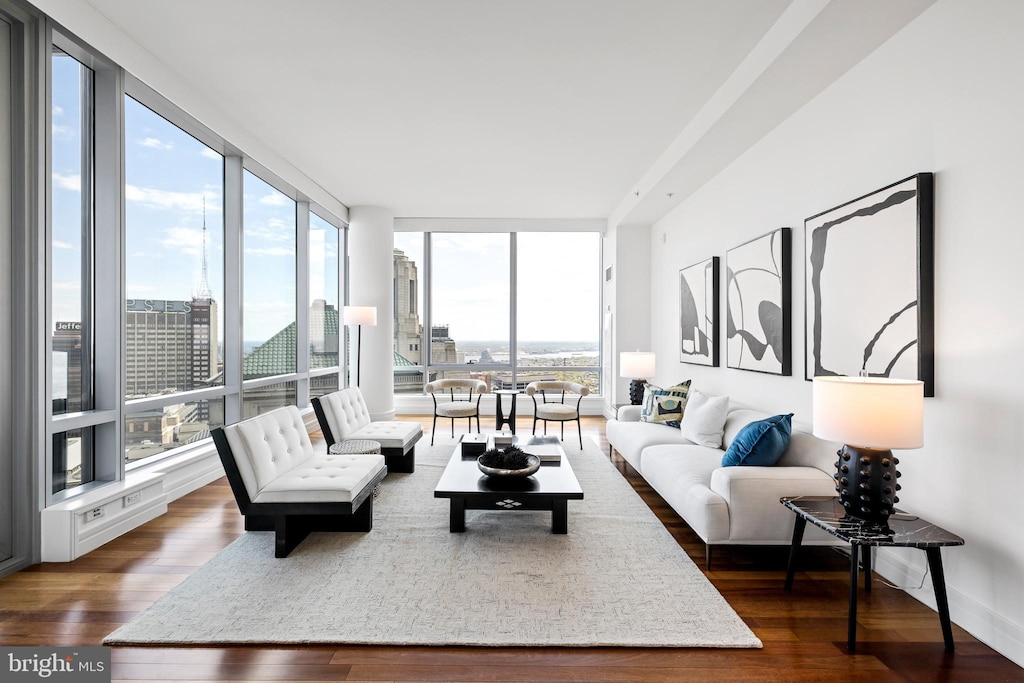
345,411
323,479
631,438
391,434
760,443
681,474
704,419
268,445
665,406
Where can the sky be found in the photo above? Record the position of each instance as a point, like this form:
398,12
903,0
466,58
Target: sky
169,178
470,294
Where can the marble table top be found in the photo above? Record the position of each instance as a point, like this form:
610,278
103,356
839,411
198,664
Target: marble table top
901,530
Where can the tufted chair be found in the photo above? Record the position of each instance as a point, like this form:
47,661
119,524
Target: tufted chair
553,406
459,403
343,415
281,484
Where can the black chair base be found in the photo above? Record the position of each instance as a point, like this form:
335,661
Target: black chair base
399,460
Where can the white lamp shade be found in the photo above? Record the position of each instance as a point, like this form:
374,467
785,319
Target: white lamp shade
869,412
361,315
636,364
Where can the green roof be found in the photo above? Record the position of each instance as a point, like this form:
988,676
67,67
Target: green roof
276,356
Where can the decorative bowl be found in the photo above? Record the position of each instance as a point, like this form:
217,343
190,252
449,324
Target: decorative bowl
533,464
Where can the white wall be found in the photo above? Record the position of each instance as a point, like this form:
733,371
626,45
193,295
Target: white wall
627,251
944,95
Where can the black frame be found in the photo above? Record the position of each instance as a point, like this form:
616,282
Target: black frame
920,189
783,272
700,312
292,522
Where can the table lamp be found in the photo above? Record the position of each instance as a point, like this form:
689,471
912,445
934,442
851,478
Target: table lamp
870,415
639,367
359,316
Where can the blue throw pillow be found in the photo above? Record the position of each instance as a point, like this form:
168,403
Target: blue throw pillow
760,443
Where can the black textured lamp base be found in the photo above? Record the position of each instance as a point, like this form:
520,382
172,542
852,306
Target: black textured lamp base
866,481
636,391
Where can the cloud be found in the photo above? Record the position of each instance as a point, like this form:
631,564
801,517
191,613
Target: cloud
210,154
275,199
162,199
137,291
57,110
57,244
156,143
270,251
71,182
62,132
186,240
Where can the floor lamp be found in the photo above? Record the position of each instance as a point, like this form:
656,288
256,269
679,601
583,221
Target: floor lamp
359,316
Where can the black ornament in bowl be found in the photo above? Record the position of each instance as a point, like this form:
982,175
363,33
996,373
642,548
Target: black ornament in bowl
511,462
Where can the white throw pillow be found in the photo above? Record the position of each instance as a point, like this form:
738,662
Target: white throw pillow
704,419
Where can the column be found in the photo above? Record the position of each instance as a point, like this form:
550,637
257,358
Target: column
371,241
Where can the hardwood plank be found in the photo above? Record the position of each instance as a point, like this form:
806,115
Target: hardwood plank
804,632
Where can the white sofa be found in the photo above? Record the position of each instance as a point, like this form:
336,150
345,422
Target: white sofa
727,505
282,485
343,415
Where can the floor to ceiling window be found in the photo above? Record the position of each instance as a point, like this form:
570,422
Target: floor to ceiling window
174,284
324,292
558,307
268,294
7,486
507,308
71,249
470,314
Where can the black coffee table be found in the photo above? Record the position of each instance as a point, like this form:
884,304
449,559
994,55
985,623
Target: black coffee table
550,488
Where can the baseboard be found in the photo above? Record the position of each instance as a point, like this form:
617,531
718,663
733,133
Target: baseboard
81,524
185,475
999,633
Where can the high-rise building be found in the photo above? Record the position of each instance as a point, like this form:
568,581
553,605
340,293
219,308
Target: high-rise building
408,331
169,345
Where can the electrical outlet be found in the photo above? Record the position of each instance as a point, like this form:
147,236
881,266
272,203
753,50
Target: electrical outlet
132,498
95,513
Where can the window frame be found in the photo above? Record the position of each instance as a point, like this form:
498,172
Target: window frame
426,275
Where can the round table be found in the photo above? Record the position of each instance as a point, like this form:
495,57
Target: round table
357,447
509,419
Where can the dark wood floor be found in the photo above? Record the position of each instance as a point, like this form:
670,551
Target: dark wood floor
804,632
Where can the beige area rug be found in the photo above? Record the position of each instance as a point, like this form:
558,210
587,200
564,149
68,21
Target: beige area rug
617,579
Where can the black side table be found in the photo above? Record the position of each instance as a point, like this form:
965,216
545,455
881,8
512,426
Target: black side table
509,419
904,531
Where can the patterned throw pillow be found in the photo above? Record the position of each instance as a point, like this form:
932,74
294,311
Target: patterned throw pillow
665,406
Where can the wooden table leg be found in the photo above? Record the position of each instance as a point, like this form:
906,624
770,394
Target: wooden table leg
939,584
851,626
457,521
794,549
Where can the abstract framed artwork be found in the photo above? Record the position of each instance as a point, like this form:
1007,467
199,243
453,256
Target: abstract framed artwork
698,313
869,285
759,288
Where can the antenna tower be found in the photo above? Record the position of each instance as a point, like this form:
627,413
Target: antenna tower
204,286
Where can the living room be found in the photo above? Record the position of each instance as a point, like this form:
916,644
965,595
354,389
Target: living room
812,104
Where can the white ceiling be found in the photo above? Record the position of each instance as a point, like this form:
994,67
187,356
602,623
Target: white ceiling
487,108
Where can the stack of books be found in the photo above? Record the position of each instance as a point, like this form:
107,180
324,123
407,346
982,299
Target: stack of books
547,452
